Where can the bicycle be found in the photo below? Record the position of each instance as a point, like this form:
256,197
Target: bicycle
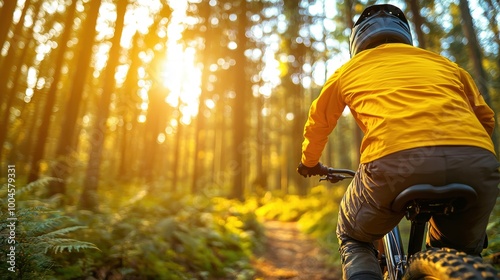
420,203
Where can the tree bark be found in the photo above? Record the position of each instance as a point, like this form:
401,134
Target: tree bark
200,130
476,57
43,129
66,148
491,12
6,16
238,109
418,21
357,133
128,111
9,63
89,196
474,49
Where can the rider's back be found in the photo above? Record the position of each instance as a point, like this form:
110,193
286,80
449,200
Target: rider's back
406,97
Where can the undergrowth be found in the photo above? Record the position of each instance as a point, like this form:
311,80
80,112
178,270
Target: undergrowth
145,236
492,253
34,235
174,237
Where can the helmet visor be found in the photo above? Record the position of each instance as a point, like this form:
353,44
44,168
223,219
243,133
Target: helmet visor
387,9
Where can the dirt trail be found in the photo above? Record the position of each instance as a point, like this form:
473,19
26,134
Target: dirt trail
290,254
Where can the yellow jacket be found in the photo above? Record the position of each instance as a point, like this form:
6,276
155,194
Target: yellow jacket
402,97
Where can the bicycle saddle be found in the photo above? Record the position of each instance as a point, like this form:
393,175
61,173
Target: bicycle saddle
466,194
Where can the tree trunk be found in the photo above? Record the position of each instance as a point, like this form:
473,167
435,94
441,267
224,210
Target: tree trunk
128,111
475,55
238,108
260,184
216,179
9,63
6,16
43,129
418,21
66,147
474,50
297,133
200,130
357,133
13,94
157,107
89,197
493,23
348,6
153,127
491,11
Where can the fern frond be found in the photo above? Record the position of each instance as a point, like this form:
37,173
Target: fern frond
59,245
42,182
35,211
34,228
61,232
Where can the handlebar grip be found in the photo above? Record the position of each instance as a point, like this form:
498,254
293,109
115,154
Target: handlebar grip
349,172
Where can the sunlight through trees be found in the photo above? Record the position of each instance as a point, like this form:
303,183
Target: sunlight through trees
205,96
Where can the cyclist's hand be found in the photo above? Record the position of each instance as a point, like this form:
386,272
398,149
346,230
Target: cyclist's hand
318,169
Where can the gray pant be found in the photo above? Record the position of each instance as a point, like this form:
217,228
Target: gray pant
365,214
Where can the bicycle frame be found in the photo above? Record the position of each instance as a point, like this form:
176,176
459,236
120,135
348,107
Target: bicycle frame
395,257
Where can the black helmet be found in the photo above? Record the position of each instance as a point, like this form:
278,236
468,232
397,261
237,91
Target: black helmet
379,24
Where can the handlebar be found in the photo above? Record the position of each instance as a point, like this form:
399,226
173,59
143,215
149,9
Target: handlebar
335,175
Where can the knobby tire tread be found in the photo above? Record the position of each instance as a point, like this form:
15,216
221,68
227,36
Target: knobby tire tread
448,264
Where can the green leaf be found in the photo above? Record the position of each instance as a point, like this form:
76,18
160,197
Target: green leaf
69,244
62,231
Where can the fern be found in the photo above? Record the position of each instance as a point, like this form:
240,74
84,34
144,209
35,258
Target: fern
59,245
61,232
40,231
38,184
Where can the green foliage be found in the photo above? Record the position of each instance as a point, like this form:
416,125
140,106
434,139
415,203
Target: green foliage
296,208
174,237
165,236
37,237
493,232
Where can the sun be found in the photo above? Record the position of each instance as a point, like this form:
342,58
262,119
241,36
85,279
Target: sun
182,77
181,73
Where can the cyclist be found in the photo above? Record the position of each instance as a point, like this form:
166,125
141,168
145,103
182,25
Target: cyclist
424,121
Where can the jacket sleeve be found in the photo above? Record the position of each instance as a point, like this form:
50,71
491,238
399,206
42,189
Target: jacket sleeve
483,112
322,119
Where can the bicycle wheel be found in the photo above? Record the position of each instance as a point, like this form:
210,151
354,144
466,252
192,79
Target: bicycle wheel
448,264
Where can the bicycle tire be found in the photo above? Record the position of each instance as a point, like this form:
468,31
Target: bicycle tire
448,264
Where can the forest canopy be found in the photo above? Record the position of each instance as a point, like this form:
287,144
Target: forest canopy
193,95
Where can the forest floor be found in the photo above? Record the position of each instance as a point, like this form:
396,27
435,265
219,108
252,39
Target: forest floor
291,254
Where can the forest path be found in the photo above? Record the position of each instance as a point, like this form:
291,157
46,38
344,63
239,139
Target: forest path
291,254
